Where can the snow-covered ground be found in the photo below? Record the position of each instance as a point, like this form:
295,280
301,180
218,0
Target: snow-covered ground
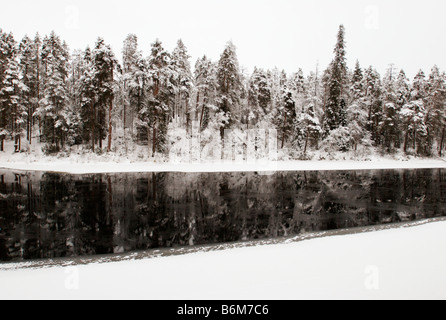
74,167
402,263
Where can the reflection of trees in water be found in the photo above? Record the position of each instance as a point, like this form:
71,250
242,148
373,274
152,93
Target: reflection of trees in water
52,215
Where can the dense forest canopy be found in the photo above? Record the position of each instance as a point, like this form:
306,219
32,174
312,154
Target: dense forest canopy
95,101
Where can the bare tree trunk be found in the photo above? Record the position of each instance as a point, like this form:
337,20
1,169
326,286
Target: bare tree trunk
148,139
196,106
93,135
110,126
414,140
2,144
16,144
283,133
306,142
406,138
442,140
188,122
154,142
28,125
201,118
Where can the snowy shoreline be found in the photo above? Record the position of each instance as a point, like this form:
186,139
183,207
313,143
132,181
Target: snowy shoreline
394,263
181,251
74,167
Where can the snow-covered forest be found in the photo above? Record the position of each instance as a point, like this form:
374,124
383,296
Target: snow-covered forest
94,101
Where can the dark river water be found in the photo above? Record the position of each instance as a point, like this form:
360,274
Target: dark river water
47,215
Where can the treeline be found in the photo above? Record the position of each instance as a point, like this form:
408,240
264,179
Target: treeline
88,98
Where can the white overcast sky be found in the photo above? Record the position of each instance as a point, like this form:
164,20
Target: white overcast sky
289,34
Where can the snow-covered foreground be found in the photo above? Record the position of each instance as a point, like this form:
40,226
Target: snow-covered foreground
404,263
74,167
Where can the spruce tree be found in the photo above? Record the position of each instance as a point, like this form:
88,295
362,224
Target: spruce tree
183,83
105,64
7,49
134,78
373,100
436,101
88,99
337,80
156,114
54,58
206,87
229,85
259,96
390,122
286,115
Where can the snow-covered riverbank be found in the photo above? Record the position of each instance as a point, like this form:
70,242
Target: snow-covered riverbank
402,263
79,167
80,161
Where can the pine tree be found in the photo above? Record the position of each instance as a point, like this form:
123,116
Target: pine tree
105,64
422,138
298,82
55,58
7,49
26,52
134,78
286,115
229,85
357,84
259,97
307,125
74,104
155,114
390,122
12,93
435,102
183,83
373,100
206,86
413,116
357,111
88,99
17,93
402,89
336,83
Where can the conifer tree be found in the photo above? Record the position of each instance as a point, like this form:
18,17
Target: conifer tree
229,85
7,52
54,57
183,83
286,115
105,64
88,99
435,102
390,122
372,84
206,86
357,111
155,114
134,78
336,83
259,96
